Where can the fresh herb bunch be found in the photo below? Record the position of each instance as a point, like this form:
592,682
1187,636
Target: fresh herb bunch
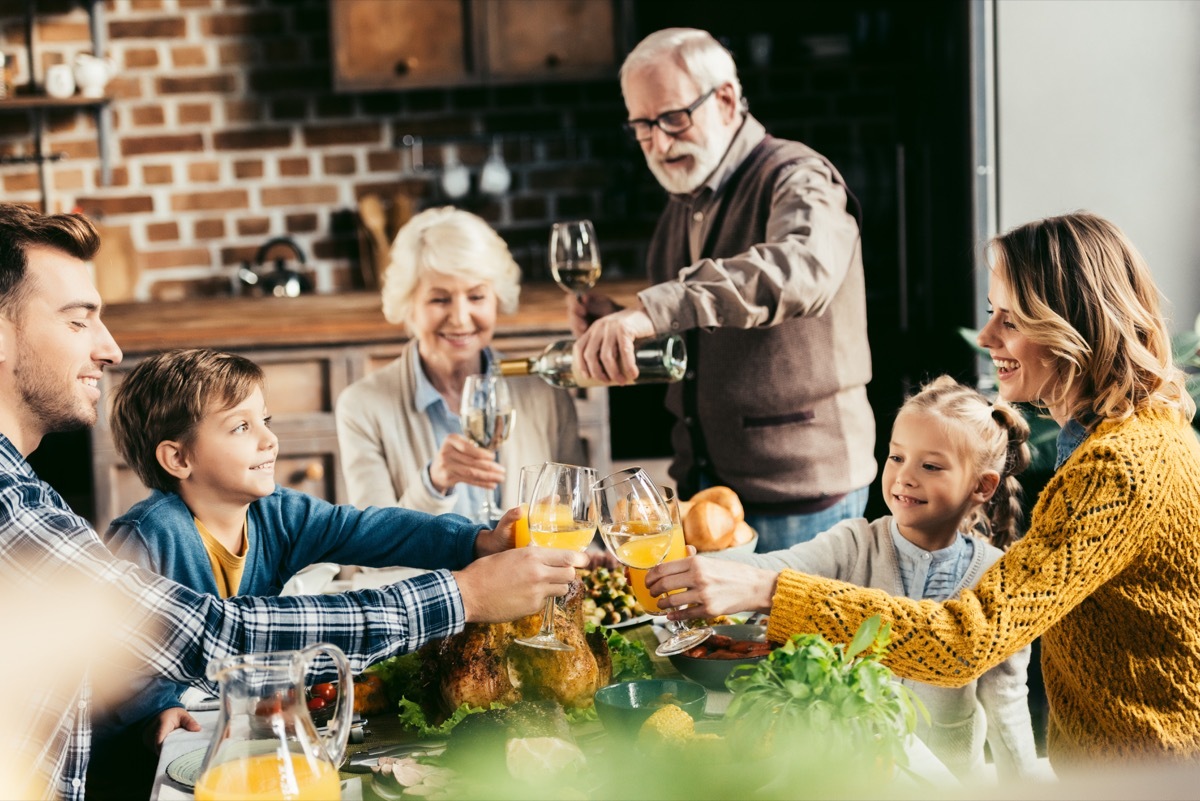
826,702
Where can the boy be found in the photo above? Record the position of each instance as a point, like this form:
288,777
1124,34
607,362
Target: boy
193,425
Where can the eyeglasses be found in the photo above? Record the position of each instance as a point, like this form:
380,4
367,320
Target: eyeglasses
672,123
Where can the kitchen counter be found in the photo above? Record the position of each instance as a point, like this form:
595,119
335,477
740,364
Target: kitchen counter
315,320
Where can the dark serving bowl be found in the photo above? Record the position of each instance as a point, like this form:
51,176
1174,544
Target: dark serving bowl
624,707
712,672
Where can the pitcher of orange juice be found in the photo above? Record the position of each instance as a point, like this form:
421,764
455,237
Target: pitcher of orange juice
266,745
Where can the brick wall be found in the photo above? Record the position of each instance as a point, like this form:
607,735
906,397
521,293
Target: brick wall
226,131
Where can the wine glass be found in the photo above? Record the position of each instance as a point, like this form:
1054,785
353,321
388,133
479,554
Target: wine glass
562,514
487,419
682,637
574,256
635,522
529,476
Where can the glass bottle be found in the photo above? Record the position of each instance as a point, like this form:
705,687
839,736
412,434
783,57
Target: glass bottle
659,360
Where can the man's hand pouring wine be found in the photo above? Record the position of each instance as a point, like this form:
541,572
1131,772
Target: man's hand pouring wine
605,351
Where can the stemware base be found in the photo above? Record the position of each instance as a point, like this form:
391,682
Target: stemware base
545,642
681,641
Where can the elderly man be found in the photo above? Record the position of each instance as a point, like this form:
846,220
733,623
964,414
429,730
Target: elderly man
53,351
757,260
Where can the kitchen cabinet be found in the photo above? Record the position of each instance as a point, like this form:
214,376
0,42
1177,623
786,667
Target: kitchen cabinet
401,44
311,348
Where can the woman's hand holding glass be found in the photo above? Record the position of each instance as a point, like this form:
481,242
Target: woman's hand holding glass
460,461
641,526
703,588
487,420
562,515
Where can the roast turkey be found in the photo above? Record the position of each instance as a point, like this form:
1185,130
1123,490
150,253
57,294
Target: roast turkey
482,665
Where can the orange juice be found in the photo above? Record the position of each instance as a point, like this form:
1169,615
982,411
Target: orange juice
521,527
268,776
576,539
637,578
644,552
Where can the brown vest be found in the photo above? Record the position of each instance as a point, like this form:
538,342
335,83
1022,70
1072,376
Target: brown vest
780,414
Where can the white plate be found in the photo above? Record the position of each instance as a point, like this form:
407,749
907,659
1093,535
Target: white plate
185,769
748,546
633,621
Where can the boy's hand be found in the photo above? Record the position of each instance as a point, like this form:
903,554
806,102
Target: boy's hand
460,461
501,538
165,722
516,583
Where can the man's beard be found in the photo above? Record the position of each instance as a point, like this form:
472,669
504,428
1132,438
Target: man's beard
55,408
705,158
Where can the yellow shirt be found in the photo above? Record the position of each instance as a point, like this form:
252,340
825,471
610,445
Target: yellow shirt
1108,575
227,567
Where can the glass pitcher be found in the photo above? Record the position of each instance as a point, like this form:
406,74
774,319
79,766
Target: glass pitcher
266,745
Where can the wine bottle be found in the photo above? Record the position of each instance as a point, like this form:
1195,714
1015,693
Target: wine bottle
659,360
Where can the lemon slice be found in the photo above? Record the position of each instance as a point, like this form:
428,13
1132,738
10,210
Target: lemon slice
531,759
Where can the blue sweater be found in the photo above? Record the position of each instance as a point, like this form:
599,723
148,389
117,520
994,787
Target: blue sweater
286,532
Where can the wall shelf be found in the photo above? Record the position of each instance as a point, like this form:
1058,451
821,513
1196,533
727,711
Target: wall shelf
27,102
36,104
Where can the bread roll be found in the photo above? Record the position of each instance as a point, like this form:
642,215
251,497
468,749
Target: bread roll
742,533
708,526
725,497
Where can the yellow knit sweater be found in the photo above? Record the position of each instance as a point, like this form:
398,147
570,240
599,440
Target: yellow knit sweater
1108,575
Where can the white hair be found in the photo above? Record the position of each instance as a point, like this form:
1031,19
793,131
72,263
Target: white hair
696,52
451,242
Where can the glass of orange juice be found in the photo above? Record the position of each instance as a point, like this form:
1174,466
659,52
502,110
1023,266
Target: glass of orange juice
529,474
562,514
682,637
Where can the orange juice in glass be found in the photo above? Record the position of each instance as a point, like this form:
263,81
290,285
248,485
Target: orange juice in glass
637,578
529,475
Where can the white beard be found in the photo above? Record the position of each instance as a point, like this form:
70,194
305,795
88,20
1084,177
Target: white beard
705,158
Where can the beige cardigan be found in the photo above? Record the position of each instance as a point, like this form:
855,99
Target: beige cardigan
385,441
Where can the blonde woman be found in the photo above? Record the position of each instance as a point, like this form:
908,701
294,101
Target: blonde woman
1108,574
398,428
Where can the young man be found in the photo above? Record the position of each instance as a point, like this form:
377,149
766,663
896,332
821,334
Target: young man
757,261
53,351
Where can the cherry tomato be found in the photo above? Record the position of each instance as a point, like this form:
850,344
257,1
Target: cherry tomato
268,707
316,703
326,691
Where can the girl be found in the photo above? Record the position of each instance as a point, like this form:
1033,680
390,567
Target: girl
949,481
1107,572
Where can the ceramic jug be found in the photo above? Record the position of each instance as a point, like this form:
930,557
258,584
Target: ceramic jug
92,74
266,745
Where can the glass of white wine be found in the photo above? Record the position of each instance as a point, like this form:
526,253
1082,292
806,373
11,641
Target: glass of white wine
487,419
574,256
562,514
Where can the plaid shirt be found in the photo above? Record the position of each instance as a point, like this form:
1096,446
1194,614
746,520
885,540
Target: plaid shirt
164,628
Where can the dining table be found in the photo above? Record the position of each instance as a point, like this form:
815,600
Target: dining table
386,730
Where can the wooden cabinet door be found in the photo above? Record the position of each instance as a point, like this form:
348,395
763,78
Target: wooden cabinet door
396,44
548,39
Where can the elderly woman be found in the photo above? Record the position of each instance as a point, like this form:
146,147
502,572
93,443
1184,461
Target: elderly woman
398,428
1107,572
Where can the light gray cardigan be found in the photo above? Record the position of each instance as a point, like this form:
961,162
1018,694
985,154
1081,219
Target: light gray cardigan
994,706
386,441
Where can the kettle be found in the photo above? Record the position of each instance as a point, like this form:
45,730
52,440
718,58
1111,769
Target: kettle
282,282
